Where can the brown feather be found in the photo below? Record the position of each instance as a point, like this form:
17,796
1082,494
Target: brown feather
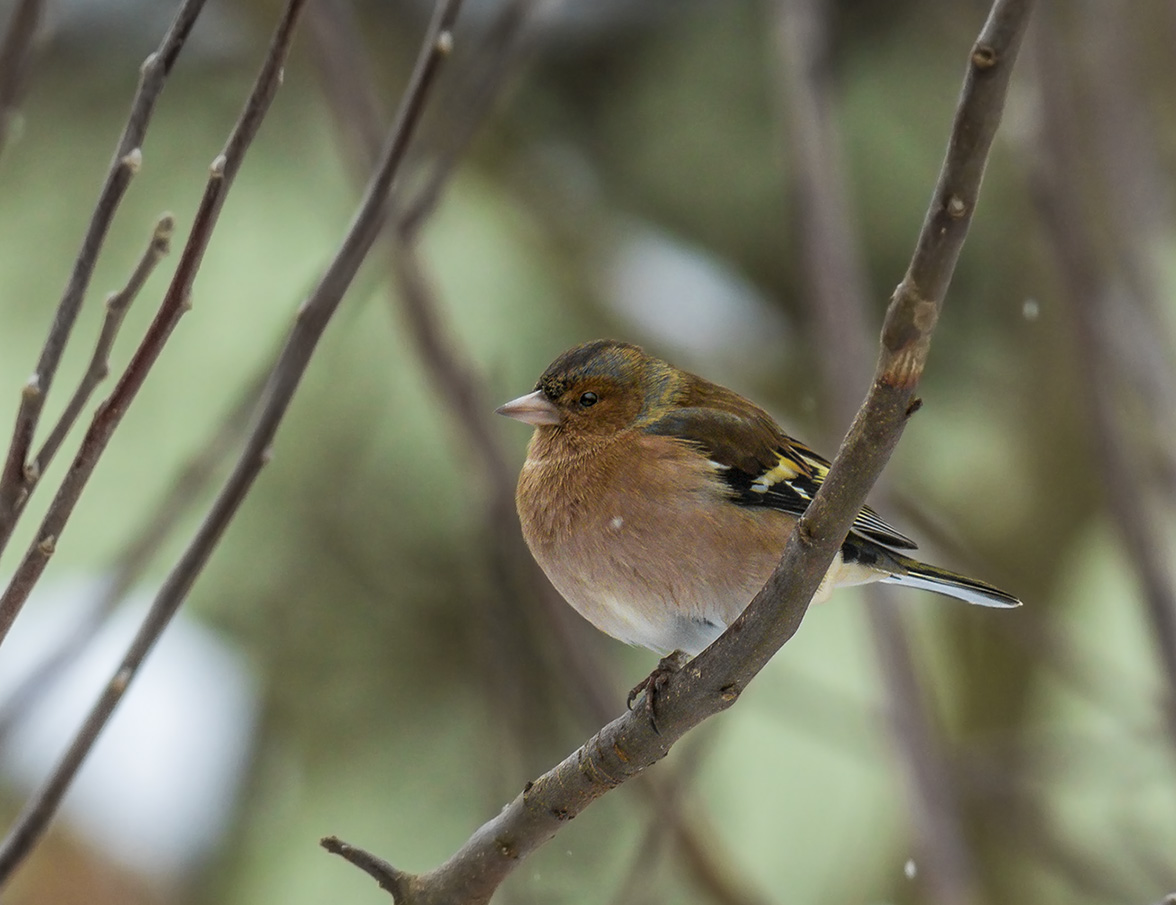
660,502
640,537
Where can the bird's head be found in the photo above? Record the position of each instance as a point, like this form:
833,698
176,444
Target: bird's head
595,390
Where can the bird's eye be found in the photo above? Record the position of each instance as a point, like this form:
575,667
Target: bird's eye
587,399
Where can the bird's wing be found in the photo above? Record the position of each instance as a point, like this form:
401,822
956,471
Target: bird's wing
763,466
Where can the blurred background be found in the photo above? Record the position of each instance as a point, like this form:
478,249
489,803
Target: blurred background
737,186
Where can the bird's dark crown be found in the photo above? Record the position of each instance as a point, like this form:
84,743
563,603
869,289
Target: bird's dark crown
609,359
623,383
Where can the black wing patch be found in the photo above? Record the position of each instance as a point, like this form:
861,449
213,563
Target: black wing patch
763,466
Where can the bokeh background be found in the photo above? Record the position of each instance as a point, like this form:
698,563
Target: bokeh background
368,654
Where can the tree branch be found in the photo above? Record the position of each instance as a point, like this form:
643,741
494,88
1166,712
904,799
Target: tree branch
117,305
390,879
39,810
186,490
714,679
835,295
176,302
16,479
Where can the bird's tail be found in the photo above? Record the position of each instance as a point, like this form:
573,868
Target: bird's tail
917,574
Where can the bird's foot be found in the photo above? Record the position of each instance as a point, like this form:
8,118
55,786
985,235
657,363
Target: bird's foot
654,683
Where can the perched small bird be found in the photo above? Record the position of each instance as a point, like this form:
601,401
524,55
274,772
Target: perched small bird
658,503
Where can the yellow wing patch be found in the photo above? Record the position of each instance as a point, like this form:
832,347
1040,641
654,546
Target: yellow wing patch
785,471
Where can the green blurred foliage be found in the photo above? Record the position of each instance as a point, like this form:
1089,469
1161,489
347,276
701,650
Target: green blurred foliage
358,576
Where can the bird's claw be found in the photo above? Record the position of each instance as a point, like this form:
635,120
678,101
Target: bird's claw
653,684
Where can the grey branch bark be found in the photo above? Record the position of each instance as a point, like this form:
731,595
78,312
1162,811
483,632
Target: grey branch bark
837,301
39,810
17,480
117,305
176,302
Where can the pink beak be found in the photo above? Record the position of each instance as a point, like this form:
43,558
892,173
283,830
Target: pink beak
534,408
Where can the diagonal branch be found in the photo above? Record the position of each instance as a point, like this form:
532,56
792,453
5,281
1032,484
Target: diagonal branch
714,679
311,321
836,297
16,479
117,305
35,817
139,551
393,881
176,302
189,486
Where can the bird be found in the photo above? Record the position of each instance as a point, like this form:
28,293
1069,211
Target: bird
658,503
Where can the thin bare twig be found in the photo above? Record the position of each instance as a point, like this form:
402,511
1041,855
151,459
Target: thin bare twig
16,54
117,305
713,680
345,75
176,301
508,44
16,478
39,810
186,490
312,320
837,301
390,879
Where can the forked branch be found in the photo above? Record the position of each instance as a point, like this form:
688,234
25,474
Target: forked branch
176,301
117,305
293,360
39,810
16,478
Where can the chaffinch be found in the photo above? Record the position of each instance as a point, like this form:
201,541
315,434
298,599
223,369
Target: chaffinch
658,503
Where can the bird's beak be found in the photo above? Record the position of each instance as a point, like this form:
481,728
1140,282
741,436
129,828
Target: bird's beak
534,408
